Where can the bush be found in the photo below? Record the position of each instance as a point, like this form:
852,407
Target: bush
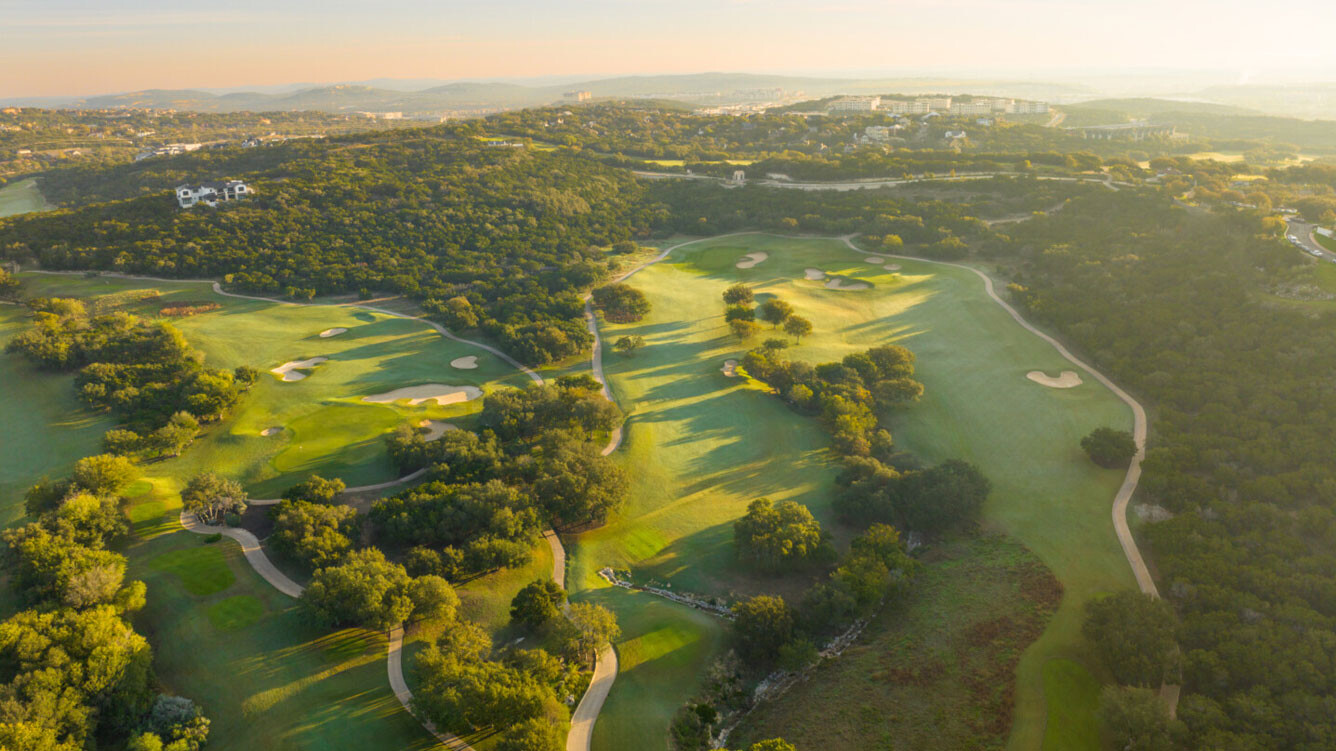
1110,448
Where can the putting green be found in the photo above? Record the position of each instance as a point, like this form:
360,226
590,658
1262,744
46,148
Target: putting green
700,445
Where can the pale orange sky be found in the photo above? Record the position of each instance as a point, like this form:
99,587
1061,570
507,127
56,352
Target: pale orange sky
77,47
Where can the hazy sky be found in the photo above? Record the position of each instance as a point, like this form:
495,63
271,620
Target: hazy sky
69,47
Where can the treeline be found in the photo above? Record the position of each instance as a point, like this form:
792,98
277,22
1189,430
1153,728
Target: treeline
1169,303
497,239
143,370
74,673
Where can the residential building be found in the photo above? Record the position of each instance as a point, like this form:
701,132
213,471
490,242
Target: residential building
577,96
211,193
938,103
855,104
1022,107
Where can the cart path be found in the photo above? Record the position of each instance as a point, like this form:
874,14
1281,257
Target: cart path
1124,495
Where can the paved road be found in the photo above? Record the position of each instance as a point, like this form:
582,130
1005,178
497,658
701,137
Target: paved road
888,182
1303,234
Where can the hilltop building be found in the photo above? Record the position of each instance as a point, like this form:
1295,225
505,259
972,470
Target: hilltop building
211,193
855,104
577,96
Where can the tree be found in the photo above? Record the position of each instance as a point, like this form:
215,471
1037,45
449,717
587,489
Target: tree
173,438
595,628
774,536
433,598
776,311
537,604
532,735
210,497
621,303
313,533
744,329
943,497
1135,719
797,327
1110,448
1134,634
773,744
629,345
761,626
892,242
364,590
739,313
738,294
315,489
575,482
121,442
104,474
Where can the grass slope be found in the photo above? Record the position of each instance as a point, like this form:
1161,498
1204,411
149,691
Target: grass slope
934,670
700,446
21,197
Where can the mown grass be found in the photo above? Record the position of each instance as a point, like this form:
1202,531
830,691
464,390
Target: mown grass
700,446
21,197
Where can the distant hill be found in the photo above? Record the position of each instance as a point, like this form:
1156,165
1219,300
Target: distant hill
701,88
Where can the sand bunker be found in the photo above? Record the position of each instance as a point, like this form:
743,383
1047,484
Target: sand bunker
892,267
1069,379
814,275
291,371
468,362
435,429
843,285
730,368
751,259
439,392
875,259
270,431
327,333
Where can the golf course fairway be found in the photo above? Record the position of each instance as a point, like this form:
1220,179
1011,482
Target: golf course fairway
265,675
699,446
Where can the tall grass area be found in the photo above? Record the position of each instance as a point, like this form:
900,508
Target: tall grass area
264,674
21,197
700,445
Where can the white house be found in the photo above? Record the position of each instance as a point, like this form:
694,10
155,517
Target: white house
211,193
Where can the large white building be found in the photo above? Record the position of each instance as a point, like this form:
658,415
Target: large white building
855,104
211,193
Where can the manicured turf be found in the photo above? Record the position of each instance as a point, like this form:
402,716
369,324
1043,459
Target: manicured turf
46,428
700,446
199,568
325,427
265,676
1073,699
21,197
235,612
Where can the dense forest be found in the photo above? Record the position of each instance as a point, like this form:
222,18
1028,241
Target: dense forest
1172,304
510,236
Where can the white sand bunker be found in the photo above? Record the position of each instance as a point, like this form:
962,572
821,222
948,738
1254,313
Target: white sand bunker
840,284
291,371
892,267
468,362
814,275
435,429
271,431
751,259
875,259
1068,380
730,368
439,392
327,333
